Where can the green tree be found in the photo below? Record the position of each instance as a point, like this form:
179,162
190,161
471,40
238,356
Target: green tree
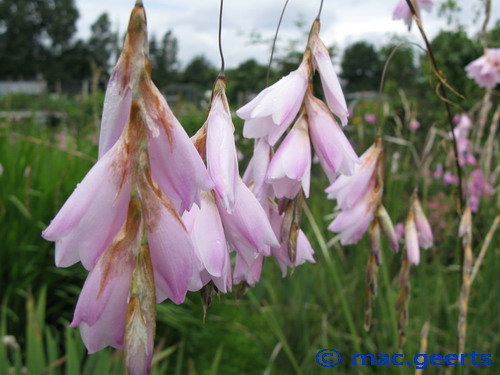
200,73
402,71
361,67
453,51
164,62
102,42
35,35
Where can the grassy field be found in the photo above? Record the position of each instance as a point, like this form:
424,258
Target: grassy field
278,326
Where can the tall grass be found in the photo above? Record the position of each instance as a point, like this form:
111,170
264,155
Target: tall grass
276,327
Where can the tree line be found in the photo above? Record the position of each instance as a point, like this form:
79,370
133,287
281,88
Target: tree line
38,40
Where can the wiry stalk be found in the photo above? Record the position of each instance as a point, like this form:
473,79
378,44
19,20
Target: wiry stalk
444,97
222,62
274,43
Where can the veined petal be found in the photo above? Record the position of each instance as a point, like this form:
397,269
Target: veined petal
329,80
116,111
177,167
328,139
222,161
247,226
93,214
292,161
102,305
248,272
171,248
207,234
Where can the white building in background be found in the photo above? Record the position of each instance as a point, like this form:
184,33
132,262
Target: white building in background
23,87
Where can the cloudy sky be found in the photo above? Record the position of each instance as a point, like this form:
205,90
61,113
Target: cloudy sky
194,22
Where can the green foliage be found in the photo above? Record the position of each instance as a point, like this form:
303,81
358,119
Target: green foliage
361,67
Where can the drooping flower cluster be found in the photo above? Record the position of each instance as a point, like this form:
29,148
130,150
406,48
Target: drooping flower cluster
359,199
418,232
123,221
285,174
486,69
403,12
229,217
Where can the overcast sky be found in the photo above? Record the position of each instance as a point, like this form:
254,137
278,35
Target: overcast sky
194,22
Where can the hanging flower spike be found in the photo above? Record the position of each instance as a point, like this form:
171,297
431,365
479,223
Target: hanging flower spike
425,237
205,228
329,80
403,11
94,213
102,306
486,69
221,155
124,77
271,112
334,150
290,167
358,196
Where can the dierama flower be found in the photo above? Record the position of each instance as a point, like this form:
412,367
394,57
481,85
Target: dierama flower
370,118
329,80
247,227
418,233
486,69
464,146
477,186
403,11
358,196
271,112
207,232
334,151
413,125
450,179
122,221
222,161
290,167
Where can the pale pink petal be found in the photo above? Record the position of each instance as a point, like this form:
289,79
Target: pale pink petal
208,236
102,305
291,164
93,214
353,222
411,241
249,273
116,110
172,251
222,161
329,81
329,141
425,237
247,228
256,171
177,167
